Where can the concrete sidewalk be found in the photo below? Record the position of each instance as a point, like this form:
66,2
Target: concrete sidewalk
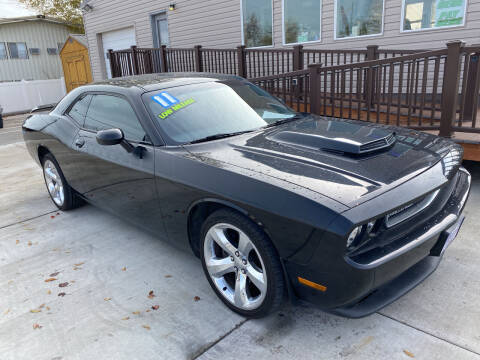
12,129
104,311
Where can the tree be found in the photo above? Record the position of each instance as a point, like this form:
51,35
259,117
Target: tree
252,31
292,31
67,10
254,35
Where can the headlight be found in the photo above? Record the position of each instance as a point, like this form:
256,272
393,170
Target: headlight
358,233
353,236
451,161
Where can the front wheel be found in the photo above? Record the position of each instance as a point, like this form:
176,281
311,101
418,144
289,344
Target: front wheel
241,264
62,195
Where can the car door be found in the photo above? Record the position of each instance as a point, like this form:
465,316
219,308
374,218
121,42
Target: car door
111,177
68,127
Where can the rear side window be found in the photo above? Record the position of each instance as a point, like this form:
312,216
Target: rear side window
108,112
79,109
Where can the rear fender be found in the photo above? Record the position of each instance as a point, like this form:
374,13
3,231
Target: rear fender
38,122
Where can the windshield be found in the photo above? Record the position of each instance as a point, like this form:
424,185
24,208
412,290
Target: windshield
197,111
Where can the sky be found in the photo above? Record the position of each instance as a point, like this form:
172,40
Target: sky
13,8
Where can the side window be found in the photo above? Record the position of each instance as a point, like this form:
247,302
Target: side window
79,109
108,111
17,50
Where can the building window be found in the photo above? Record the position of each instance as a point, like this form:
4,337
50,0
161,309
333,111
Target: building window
257,23
34,51
355,18
17,50
52,51
432,14
301,21
3,51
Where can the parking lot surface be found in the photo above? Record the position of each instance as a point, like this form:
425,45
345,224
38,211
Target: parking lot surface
12,131
84,284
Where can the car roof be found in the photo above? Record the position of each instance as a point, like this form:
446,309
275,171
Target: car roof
136,85
152,82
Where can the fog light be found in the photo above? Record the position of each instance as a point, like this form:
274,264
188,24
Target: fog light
353,236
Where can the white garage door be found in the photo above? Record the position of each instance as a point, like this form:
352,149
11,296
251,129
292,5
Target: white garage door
117,40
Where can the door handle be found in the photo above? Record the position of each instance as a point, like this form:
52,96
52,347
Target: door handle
79,142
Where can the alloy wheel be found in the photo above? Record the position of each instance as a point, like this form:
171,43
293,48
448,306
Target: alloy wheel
54,182
235,266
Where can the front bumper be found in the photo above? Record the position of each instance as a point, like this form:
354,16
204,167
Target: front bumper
405,282
359,289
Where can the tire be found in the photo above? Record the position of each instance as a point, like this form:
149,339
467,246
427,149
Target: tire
62,195
235,269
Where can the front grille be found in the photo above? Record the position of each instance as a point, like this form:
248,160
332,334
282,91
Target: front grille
378,144
402,214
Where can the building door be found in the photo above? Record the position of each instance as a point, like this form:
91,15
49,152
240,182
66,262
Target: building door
160,30
117,40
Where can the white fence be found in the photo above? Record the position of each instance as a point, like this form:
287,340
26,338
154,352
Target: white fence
23,96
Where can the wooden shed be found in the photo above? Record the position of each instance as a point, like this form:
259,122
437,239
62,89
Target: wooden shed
75,62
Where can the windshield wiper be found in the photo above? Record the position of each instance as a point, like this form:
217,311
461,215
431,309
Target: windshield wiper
286,120
226,135
219,136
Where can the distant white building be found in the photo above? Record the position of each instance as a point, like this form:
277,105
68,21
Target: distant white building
30,46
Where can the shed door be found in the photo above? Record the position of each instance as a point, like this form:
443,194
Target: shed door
117,40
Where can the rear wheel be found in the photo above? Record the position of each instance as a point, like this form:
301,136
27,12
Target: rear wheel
62,195
241,264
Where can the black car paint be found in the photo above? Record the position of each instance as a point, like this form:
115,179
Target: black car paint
306,200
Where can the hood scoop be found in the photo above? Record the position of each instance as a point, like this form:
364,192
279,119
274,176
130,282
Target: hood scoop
357,145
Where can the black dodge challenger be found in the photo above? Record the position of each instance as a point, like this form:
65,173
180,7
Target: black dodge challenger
343,214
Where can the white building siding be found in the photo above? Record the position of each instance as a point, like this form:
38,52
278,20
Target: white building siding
216,23
36,34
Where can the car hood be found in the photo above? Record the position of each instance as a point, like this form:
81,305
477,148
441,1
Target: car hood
325,155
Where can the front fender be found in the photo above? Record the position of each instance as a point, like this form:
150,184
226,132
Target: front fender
287,212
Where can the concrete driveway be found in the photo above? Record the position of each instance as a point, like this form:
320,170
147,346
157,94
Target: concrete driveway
98,305
12,131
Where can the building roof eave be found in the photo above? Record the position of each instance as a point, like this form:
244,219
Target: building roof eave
36,18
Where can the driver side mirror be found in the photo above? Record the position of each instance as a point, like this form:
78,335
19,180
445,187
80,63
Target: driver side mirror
110,137
113,137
